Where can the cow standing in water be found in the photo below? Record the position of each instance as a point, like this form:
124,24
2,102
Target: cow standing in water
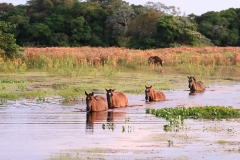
116,99
152,95
195,86
95,103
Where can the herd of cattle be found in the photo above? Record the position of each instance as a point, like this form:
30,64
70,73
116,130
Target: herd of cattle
119,99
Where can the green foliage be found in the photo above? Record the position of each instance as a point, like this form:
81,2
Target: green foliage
8,46
70,94
176,30
38,33
220,27
114,23
205,112
175,116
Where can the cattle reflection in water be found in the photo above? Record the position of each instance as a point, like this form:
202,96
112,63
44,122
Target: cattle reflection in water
102,118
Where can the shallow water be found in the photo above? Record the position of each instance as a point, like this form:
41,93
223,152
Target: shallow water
51,130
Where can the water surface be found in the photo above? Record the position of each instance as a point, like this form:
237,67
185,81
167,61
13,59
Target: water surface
37,131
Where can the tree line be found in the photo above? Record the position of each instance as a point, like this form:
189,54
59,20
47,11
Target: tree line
106,23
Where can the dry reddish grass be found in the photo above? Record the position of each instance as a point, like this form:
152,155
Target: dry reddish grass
171,56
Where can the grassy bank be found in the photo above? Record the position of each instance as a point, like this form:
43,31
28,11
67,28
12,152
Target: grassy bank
69,72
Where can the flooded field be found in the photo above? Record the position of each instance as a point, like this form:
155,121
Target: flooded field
51,130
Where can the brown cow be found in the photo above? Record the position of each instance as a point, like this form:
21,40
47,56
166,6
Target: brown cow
116,99
95,103
195,86
152,95
155,60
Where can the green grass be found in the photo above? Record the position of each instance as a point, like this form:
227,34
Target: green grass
71,82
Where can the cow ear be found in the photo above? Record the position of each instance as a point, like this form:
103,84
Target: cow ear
150,86
86,93
188,77
92,93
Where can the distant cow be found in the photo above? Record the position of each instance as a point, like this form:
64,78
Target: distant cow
195,86
155,60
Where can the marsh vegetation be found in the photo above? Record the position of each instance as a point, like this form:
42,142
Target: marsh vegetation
69,72
41,89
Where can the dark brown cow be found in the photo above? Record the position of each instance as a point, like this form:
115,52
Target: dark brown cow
155,60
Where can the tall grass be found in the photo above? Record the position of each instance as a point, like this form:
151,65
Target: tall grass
108,62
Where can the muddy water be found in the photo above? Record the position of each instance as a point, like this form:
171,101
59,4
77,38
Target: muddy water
49,130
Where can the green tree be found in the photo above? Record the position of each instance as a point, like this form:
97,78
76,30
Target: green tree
221,27
80,33
141,30
176,31
39,34
59,39
117,24
18,16
8,46
162,8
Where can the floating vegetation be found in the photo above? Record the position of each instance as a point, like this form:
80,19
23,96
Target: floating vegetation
204,112
123,128
127,119
110,126
176,115
40,100
170,143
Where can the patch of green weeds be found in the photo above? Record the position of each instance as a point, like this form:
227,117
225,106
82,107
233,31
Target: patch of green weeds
123,128
110,126
205,112
40,100
70,94
129,128
176,115
11,81
58,86
10,95
95,150
170,143
22,87
33,94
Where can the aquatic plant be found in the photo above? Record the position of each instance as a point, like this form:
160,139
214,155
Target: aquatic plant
123,128
176,115
111,126
170,142
40,100
204,112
